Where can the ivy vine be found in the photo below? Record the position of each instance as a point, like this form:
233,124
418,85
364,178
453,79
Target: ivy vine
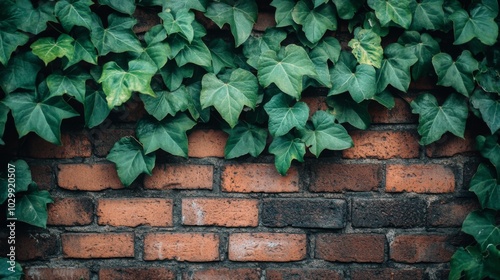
61,59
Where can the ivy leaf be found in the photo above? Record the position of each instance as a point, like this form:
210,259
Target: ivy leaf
21,72
323,133
199,5
489,106
283,14
74,12
6,274
485,185
156,34
392,10
490,149
435,120
457,74
241,15
244,139
35,20
255,46
285,149
428,14
424,47
283,117
359,81
366,47
48,49
122,6
9,41
117,37
470,263
166,103
178,21
385,99
347,110
4,111
23,179
168,134
482,225
315,20
285,69
173,75
395,68
156,54
130,160
194,105
229,93
489,80
222,55
479,24
118,84
83,49
196,52
96,108
71,82
32,207
43,117
347,9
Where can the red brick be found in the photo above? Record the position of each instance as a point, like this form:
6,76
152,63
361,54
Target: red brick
421,248
329,177
350,247
75,144
97,245
70,211
258,178
420,178
88,177
450,213
267,247
207,143
401,113
105,137
133,273
34,245
383,145
264,21
450,145
315,103
223,274
167,177
387,274
42,175
134,212
60,273
228,212
145,20
303,274
191,247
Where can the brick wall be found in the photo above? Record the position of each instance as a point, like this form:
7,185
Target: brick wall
384,209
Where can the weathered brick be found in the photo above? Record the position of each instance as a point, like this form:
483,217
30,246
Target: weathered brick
388,274
206,143
383,145
223,274
191,247
180,177
132,273
267,247
228,212
419,178
328,177
97,245
450,145
415,248
60,273
105,137
88,177
388,212
350,247
42,175
309,213
450,212
315,103
70,211
35,245
302,274
258,178
401,113
264,21
134,212
74,144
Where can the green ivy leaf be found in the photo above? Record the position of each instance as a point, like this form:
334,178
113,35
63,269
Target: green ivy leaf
347,9
489,106
366,47
372,22
194,105
117,37
255,46
315,20
323,133
178,21
9,41
229,93
95,108
485,185
15,274
118,84
156,54
71,82
283,116
435,120
395,69
358,80
470,263
392,10
285,69
199,5
21,72
457,74
479,24
285,149
347,110
241,15
168,134
48,49
4,111
74,12
130,160
489,80
43,117
222,55
166,103
122,6
196,52
283,14
244,139
424,47
428,14
385,99
482,225
83,49
22,179
32,207
173,75
35,19
490,149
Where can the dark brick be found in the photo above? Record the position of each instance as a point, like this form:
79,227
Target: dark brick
345,177
416,248
133,273
388,212
450,213
388,274
311,213
350,247
33,246
223,274
302,274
